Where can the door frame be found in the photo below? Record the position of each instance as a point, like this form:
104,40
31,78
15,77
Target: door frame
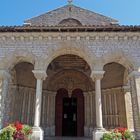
63,93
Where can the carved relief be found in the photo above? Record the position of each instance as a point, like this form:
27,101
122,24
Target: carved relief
70,80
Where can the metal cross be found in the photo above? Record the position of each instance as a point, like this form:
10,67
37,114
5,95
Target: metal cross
70,1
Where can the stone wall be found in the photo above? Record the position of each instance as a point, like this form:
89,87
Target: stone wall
104,47
96,48
113,106
1,109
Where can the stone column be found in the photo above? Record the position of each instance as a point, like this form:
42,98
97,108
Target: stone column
38,133
85,105
4,81
135,97
98,132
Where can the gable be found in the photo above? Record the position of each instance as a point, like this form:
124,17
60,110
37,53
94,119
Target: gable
83,16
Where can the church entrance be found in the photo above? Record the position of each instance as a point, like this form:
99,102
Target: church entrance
69,113
69,117
68,83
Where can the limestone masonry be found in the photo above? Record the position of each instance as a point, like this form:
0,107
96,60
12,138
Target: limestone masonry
70,72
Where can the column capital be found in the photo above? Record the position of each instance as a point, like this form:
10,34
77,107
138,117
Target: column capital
4,74
126,88
97,75
39,74
135,74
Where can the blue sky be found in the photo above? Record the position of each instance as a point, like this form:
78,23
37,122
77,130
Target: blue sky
14,12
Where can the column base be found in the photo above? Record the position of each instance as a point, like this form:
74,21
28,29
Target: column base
137,135
98,133
38,134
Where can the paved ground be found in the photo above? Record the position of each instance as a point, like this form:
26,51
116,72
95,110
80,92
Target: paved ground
67,138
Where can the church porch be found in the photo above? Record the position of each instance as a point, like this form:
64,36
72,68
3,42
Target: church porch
62,75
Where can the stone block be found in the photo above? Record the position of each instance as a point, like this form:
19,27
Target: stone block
38,134
97,134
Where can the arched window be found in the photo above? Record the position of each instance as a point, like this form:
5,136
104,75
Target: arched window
70,22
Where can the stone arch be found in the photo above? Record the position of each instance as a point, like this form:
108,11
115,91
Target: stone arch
21,91
119,57
115,71
73,49
10,60
113,94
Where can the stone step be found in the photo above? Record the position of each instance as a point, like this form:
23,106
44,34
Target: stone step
67,138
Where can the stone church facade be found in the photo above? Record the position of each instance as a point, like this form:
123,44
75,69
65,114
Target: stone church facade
70,72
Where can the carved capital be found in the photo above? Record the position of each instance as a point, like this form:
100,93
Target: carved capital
97,75
39,74
4,74
126,88
135,74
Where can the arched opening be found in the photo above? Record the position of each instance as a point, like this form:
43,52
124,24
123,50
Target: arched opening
21,94
115,98
69,113
69,80
70,22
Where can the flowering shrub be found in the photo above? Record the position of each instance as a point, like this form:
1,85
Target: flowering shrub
16,131
118,134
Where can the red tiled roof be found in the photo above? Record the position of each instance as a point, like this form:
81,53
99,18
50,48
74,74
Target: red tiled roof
111,28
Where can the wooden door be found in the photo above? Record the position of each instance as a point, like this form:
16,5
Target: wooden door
61,93
78,93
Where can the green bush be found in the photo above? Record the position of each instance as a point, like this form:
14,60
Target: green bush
128,135
118,134
111,136
107,136
7,133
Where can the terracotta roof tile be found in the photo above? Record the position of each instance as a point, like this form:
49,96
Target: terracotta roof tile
113,28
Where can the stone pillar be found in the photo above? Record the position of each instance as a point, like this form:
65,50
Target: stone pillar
53,114
4,81
98,132
135,97
128,105
38,133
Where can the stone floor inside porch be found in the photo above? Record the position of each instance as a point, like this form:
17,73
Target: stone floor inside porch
67,138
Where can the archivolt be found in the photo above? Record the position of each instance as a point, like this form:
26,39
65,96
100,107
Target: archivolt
10,60
73,49
119,57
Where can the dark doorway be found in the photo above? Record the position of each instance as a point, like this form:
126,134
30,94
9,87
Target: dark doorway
69,113
78,94
61,93
69,117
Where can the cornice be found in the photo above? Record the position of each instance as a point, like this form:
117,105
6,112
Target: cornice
123,88
95,36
